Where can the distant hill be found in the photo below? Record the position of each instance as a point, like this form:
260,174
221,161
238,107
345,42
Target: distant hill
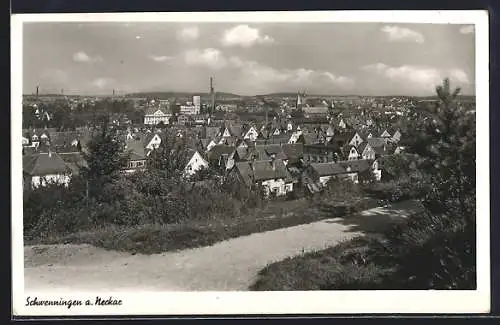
170,94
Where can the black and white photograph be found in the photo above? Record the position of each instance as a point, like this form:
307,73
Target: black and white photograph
235,160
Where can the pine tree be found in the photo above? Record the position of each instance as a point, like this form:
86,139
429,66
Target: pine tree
445,141
105,159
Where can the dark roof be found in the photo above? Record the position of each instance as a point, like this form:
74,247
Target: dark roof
327,169
355,165
376,142
308,138
217,151
293,151
257,171
42,164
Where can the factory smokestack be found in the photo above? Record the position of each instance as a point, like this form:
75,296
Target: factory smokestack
37,88
212,95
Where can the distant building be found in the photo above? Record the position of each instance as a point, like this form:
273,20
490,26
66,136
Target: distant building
154,116
190,109
197,101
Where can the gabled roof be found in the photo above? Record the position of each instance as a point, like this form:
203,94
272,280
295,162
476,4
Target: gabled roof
42,164
328,169
258,171
152,110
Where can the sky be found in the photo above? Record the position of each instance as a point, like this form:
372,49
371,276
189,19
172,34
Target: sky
247,58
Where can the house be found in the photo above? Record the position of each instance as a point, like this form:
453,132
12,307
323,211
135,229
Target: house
316,153
358,170
356,140
294,137
43,168
271,174
154,116
308,139
385,134
342,124
211,144
351,152
251,134
366,151
380,146
396,137
219,157
137,155
182,119
321,173
195,163
152,141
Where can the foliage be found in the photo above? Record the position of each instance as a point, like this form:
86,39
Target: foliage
446,142
105,159
171,157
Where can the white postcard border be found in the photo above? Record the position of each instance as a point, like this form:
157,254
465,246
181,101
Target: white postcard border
213,303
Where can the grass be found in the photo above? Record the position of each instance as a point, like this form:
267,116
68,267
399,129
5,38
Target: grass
336,268
153,239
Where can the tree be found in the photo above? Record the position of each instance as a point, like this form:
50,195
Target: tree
445,142
105,159
171,157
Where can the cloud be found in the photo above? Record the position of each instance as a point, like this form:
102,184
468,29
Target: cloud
160,58
255,73
210,57
419,77
401,34
469,29
138,37
83,57
188,34
244,36
102,83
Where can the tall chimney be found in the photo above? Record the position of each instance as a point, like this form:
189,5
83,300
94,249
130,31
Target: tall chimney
212,96
37,88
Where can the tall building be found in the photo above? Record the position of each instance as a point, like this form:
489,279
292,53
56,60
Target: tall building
197,100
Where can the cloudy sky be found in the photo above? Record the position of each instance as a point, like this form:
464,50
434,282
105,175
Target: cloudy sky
247,59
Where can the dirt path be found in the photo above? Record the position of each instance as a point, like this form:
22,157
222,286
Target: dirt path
228,265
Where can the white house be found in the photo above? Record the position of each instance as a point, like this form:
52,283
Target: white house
195,163
44,168
342,124
251,134
154,142
271,174
356,140
353,154
211,144
294,137
155,116
366,151
385,134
